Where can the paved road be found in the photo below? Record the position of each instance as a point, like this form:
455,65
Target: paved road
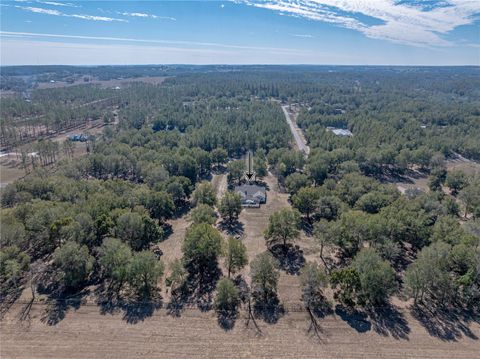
301,143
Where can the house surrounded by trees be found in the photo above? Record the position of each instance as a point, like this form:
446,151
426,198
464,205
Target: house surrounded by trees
252,195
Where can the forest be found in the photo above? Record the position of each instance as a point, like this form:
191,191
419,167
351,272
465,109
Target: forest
95,220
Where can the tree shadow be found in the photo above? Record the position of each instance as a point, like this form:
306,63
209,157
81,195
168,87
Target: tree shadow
8,296
356,319
179,298
137,311
167,231
290,258
226,318
389,321
321,307
448,324
269,311
197,290
307,227
181,210
57,308
235,228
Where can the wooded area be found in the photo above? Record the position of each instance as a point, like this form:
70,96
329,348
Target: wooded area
96,220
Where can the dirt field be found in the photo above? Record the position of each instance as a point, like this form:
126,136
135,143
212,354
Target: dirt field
85,333
463,164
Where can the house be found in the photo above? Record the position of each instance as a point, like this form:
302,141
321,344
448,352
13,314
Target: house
340,131
252,195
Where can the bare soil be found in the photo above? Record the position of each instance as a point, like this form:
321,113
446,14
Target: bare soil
85,333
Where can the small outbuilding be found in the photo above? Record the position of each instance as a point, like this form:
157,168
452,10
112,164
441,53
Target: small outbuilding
252,195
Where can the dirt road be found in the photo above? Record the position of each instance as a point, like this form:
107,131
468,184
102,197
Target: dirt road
296,132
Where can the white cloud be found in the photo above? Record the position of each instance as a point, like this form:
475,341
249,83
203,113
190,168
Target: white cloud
307,36
54,3
44,11
151,16
41,10
412,24
7,34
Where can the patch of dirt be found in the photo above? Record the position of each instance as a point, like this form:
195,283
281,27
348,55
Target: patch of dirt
85,333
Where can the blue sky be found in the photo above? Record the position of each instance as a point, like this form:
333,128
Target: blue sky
363,32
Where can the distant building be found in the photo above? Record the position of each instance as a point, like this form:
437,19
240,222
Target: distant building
252,195
340,131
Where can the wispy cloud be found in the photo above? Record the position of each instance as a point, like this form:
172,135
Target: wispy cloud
54,12
307,36
39,10
144,15
150,41
54,3
415,23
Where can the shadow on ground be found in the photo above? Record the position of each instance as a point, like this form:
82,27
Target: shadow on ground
290,258
135,309
356,319
269,311
235,229
448,324
389,321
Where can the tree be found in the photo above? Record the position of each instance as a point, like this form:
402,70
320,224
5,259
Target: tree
456,181
329,207
201,248
313,280
295,181
235,256
282,227
115,258
145,271
219,156
231,206
178,275
306,200
323,237
236,170
227,298
264,273
437,178
204,194
377,277
177,192
429,274
260,165
203,213
129,228
161,206
347,281
351,231
317,170
74,262
13,263
138,230
470,196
